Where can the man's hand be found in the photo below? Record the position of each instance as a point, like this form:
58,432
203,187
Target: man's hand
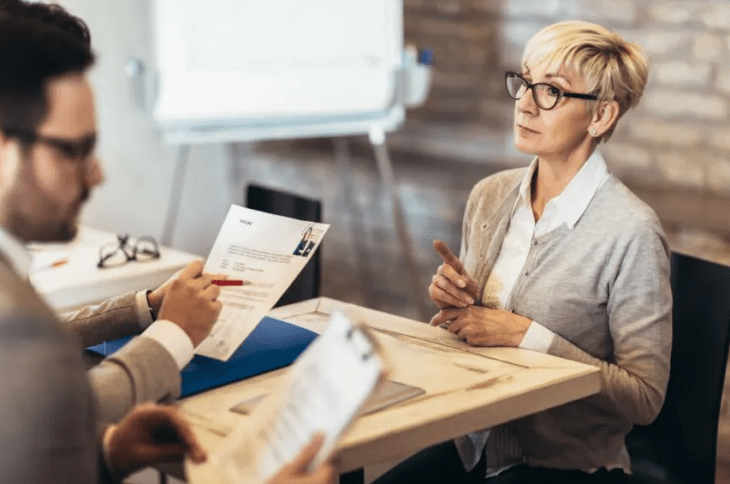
480,326
451,286
155,298
151,434
296,471
190,302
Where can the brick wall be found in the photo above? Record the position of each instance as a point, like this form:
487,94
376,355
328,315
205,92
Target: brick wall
679,135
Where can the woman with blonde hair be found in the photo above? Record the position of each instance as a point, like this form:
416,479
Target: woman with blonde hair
561,258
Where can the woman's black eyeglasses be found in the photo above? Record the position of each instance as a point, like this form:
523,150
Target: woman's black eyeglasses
546,95
120,252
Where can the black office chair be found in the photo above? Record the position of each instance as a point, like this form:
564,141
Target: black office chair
680,445
307,284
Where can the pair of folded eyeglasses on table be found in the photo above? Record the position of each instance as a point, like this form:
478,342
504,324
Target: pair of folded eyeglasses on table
127,249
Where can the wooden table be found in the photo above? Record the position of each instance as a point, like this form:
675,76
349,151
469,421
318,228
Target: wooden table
467,388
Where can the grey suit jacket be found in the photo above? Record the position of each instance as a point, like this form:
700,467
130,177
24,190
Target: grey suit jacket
142,371
47,422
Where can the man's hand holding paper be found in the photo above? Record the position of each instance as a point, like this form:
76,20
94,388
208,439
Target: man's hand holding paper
298,472
191,303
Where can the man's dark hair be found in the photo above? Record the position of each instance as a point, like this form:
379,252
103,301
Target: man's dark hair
50,14
38,42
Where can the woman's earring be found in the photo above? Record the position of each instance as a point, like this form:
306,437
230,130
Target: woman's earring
593,132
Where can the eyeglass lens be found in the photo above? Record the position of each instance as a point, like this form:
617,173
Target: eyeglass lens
74,149
113,254
120,252
146,248
545,95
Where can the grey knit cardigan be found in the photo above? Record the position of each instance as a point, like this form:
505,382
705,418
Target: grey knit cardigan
603,288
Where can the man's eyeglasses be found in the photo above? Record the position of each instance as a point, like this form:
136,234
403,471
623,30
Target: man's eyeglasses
546,95
122,251
73,149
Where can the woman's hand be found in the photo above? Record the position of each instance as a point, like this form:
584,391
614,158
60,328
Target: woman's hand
451,286
480,326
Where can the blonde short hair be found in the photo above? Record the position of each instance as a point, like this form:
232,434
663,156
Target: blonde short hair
612,68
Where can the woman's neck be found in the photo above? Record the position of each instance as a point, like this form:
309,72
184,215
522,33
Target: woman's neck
551,177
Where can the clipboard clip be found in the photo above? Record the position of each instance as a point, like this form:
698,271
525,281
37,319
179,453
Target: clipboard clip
369,351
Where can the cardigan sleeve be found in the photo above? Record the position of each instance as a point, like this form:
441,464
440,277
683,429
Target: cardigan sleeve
468,219
639,307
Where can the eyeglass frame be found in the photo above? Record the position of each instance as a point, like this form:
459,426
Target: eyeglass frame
123,245
79,149
529,85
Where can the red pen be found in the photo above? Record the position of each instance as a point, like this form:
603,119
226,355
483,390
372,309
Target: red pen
227,282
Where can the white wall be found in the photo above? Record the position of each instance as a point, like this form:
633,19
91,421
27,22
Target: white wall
137,166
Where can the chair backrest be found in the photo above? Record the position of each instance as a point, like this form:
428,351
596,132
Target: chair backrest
680,445
307,283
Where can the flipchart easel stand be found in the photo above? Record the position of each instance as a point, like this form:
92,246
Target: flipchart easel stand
412,83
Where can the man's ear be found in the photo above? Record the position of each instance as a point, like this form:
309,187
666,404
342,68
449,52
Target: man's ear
10,159
605,116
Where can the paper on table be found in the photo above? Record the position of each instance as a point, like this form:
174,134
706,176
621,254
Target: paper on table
323,392
267,252
389,393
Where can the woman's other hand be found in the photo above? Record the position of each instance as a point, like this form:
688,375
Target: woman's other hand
480,326
451,286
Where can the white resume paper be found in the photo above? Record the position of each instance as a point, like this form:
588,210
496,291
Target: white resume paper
266,252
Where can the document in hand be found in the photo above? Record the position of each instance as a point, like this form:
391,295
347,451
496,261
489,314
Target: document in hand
323,392
266,253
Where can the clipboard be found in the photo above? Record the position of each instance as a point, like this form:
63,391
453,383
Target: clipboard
324,391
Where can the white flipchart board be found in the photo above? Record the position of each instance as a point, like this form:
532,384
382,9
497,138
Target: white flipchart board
233,63
247,70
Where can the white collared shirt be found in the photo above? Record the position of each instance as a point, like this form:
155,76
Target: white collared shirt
16,253
171,336
166,333
564,209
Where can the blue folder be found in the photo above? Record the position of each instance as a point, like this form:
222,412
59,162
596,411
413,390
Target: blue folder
272,345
